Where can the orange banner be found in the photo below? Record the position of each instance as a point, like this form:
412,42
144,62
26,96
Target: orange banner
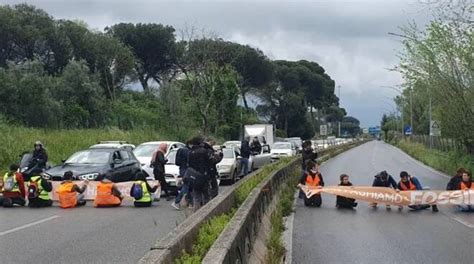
390,196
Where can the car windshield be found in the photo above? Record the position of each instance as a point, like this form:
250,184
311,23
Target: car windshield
145,150
171,157
228,153
89,157
282,146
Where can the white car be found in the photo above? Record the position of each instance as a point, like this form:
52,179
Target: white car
229,168
144,153
171,169
283,149
237,144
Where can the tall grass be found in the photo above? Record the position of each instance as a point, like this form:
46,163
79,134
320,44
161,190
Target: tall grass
447,162
60,144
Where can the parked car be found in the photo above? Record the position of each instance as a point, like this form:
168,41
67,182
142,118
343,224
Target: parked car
298,143
229,168
237,144
114,144
283,149
172,170
92,164
144,153
261,159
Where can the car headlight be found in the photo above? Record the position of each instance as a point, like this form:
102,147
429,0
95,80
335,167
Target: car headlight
88,176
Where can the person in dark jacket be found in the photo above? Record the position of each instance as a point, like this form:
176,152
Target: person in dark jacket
312,178
197,172
13,188
383,179
44,188
255,146
308,153
147,198
411,183
456,179
465,184
40,157
245,152
182,162
341,201
158,163
216,157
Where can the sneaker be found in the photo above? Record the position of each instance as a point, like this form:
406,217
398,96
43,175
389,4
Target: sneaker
388,207
400,208
175,206
354,204
435,208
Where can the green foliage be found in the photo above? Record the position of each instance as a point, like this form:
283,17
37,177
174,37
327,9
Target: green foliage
447,162
208,233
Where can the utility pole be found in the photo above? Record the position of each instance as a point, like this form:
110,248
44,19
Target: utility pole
339,130
411,110
431,137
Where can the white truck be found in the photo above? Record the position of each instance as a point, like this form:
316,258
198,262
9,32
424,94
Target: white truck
264,132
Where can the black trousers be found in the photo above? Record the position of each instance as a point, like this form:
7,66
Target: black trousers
159,176
142,204
9,202
38,202
314,200
344,202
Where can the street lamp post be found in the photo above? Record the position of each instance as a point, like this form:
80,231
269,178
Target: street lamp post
411,106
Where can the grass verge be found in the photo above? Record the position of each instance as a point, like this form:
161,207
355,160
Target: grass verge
212,228
447,162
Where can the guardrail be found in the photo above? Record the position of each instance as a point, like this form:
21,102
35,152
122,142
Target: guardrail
236,240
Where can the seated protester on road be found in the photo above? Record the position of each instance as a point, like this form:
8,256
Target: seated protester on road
38,191
312,178
255,146
383,179
411,183
108,195
341,201
13,188
466,184
199,167
70,194
142,192
453,184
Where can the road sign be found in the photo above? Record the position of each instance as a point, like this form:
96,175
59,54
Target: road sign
374,130
323,130
365,131
408,130
435,128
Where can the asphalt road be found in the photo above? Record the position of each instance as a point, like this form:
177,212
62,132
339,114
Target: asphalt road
365,235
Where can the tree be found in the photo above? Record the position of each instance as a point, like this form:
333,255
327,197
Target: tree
154,48
350,125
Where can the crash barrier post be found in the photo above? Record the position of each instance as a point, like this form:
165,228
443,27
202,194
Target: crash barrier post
235,243
184,235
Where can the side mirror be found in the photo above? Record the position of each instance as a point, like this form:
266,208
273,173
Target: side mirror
63,160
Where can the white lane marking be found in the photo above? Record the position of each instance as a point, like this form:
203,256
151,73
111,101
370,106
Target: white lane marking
458,219
288,240
28,225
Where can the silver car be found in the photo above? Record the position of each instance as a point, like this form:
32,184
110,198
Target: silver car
229,168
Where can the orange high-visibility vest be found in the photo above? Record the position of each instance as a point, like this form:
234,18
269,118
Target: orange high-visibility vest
410,186
463,186
312,182
67,196
105,196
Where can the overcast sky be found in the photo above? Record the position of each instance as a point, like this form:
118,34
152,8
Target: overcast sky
348,38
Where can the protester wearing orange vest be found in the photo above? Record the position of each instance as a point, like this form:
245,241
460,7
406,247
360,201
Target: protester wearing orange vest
70,195
312,178
411,183
107,193
466,184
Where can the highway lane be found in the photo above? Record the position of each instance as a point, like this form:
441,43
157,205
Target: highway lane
365,235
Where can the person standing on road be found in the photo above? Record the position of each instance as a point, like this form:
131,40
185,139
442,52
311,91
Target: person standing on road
13,188
313,179
108,195
308,153
70,194
341,201
383,179
215,157
244,157
38,191
182,162
411,183
197,172
255,146
158,163
142,191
